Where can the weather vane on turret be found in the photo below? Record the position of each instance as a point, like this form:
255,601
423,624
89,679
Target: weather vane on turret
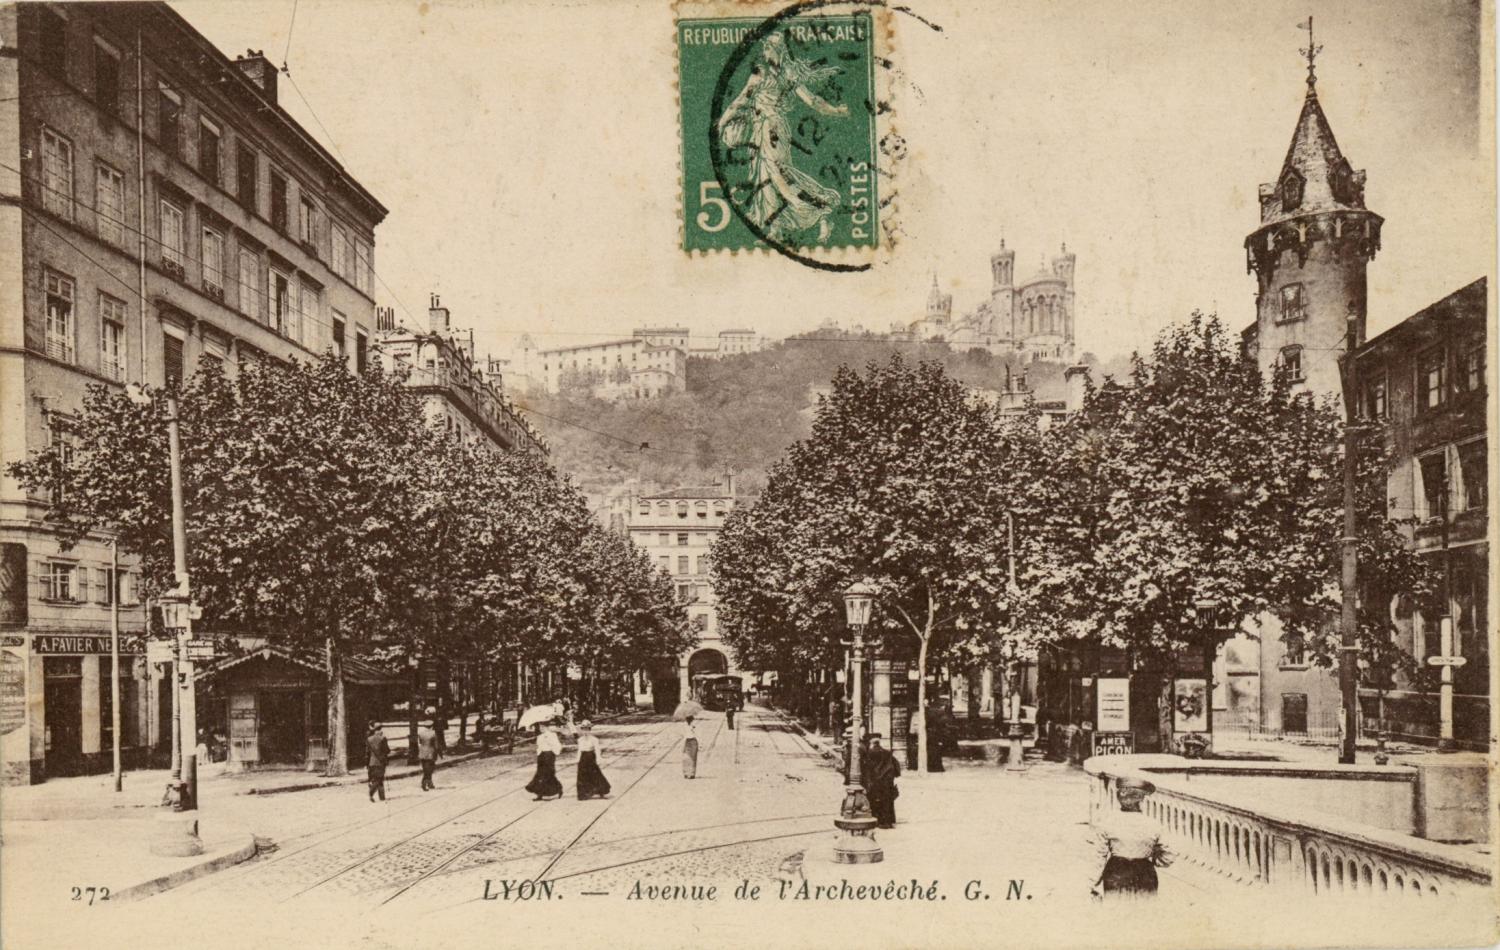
1311,51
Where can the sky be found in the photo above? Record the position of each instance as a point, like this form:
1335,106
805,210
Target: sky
528,153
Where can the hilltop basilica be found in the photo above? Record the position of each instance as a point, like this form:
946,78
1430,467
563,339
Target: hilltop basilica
1033,318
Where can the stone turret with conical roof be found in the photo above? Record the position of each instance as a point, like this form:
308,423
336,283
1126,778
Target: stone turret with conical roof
939,304
1310,251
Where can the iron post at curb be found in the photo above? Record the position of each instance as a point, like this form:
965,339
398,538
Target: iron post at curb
856,824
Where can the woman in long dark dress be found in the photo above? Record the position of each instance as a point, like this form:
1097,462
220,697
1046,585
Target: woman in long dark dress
1130,848
591,780
544,783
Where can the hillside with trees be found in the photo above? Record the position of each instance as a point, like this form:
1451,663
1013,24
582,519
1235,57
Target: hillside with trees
742,412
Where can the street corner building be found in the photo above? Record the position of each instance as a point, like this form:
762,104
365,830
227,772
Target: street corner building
159,211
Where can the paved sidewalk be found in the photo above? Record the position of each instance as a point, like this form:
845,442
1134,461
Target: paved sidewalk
1024,835
93,796
92,861
94,836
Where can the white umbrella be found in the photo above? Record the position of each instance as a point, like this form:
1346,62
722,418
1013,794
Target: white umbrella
685,709
536,714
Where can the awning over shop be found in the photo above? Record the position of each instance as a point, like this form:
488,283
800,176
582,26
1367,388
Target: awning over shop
356,671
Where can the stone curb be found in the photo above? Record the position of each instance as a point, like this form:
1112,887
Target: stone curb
183,875
829,753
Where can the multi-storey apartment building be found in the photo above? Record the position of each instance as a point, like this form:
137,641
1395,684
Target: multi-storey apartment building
459,395
159,210
677,528
1426,380
635,368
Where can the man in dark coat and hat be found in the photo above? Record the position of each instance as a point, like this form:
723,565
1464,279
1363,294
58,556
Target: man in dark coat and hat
880,770
379,754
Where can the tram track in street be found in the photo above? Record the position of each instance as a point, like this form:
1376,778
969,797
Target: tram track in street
321,838
448,860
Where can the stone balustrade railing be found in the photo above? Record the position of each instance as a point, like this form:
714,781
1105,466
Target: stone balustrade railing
1312,853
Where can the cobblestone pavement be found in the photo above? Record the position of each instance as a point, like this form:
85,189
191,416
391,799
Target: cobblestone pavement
759,791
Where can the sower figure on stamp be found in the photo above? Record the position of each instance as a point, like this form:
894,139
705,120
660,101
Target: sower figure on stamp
880,770
1129,844
784,199
380,754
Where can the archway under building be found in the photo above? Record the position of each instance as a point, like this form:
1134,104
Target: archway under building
707,661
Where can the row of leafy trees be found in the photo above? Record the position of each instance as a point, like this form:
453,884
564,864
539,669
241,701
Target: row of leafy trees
1194,479
325,514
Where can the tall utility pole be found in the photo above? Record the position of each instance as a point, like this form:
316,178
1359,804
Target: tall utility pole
114,659
182,597
177,833
1349,579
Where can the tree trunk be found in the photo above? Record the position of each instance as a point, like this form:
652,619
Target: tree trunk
412,702
922,701
463,704
338,747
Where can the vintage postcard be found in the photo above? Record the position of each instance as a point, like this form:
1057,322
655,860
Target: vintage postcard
939,473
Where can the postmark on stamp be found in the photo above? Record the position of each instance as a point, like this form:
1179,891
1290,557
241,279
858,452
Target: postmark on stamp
781,121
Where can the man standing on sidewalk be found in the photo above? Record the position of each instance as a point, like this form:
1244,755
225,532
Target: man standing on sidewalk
880,770
380,753
427,753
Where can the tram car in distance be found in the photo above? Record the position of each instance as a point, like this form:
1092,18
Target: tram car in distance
718,691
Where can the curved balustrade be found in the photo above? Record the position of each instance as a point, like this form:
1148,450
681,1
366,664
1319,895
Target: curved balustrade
1317,855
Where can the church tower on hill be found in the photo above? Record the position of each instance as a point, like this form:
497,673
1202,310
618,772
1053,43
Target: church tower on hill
1310,251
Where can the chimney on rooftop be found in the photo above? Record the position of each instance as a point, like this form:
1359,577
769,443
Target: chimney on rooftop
259,70
385,318
437,315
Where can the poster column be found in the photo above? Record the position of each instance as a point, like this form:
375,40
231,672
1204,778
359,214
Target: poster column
15,732
1112,735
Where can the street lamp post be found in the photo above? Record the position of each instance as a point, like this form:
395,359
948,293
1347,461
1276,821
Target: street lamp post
178,832
1015,729
856,824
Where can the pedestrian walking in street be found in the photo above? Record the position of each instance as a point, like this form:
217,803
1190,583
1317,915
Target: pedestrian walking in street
427,753
689,749
591,780
380,754
729,708
544,783
1129,846
880,770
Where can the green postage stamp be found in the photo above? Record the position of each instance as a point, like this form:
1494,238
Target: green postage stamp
781,118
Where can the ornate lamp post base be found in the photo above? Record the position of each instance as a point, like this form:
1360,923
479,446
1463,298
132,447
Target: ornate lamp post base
856,841
175,834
